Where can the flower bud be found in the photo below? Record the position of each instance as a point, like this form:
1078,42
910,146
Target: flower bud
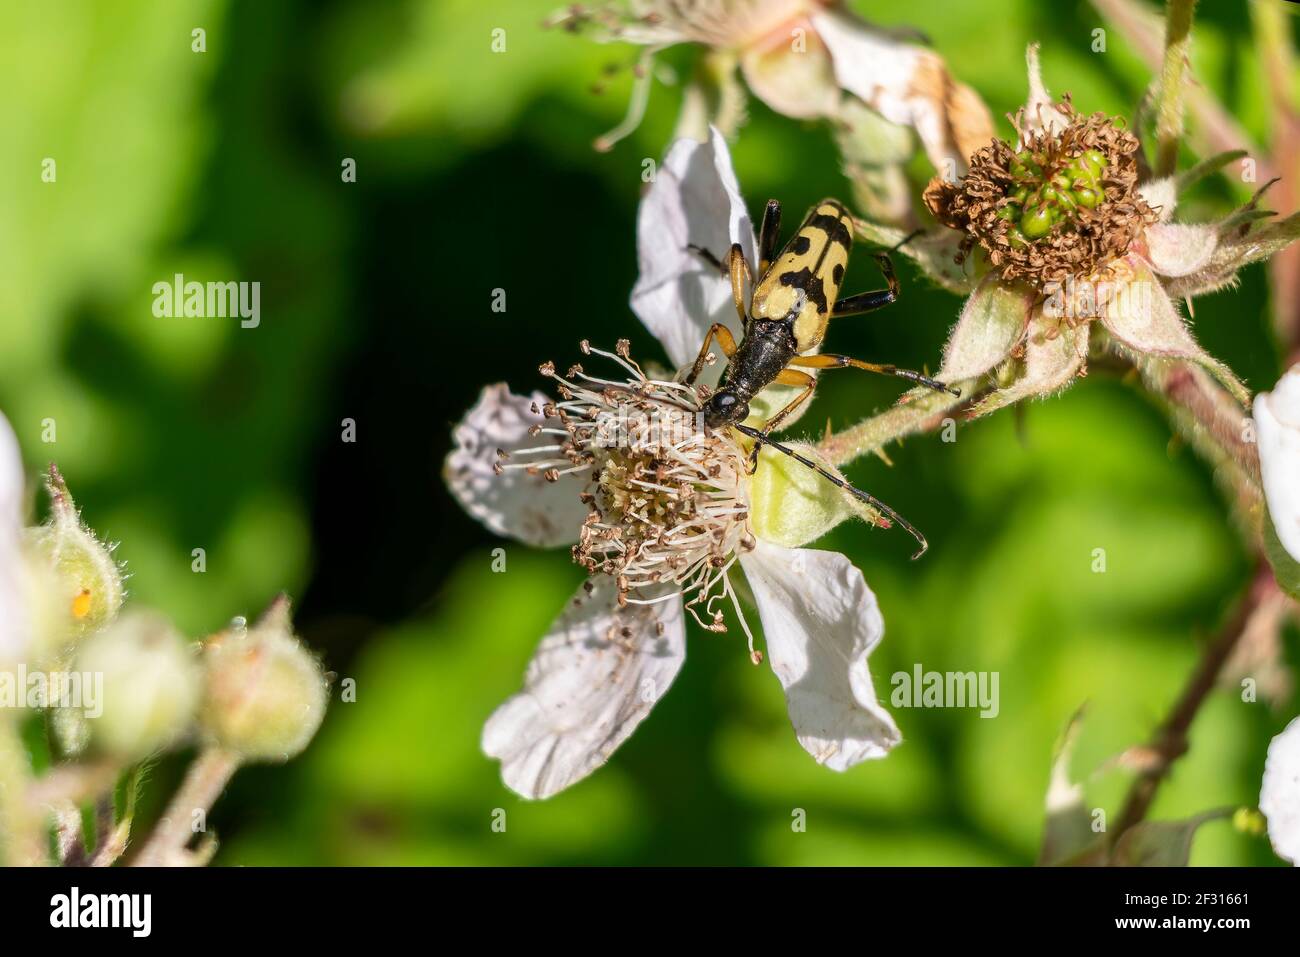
790,504
150,686
265,694
87,581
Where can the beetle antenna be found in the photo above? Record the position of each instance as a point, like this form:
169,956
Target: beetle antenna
867,497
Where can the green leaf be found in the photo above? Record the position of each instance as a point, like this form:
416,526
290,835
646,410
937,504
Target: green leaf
1161,843
1285,568
1068,831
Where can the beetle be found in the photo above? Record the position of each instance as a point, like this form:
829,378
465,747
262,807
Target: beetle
788,309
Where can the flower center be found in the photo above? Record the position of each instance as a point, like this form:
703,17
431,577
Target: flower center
1065,205
668,500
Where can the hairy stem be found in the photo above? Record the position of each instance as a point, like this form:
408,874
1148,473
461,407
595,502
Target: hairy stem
1169,742
206,778
1169,110
921,410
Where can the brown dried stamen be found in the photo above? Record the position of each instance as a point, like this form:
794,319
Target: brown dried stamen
1065,205
668,500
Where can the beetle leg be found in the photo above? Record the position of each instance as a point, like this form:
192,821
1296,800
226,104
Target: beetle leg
870,301
826,360
736,267
768,236
791,377
725,340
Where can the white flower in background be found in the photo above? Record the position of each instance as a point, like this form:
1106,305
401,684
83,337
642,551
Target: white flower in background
1277,429
661,513
800,57
1279,795
15,628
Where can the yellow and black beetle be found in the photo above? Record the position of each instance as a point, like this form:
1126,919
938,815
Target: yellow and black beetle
789,308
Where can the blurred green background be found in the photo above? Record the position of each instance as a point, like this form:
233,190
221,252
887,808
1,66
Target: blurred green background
475,172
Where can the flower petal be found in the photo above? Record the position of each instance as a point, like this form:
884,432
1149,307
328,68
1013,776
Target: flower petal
821,622
14,635
515,504
1054,354
1179,249
991,323
1161,195
1279,795
595,676
694,200
908,85
1277,427
1141,316
798,83
1040,109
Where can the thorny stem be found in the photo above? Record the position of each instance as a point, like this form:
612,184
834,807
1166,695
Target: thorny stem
22,840
206,778
1169,112
1214,424
1273,36
923,413
1169,742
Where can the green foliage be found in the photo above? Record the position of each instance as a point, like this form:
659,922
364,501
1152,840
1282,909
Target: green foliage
475,172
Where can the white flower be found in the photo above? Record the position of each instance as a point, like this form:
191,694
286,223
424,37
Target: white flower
1277,427
800,57
1279,795
15,637
661,512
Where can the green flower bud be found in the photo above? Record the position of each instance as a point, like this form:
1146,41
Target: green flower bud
264,694
1087,198
1094,160
1036,222
790,504
87,582
150,686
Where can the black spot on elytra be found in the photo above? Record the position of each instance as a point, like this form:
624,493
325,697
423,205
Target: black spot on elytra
838,273
834,228
801,245
810,284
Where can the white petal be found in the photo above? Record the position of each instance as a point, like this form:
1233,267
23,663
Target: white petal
1279,795
821,621
1161,195
514,503
14,632
596,675
1040,110
1180,249
694,199
908,85
1277,428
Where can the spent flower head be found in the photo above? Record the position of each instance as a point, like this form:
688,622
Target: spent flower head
1066,249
